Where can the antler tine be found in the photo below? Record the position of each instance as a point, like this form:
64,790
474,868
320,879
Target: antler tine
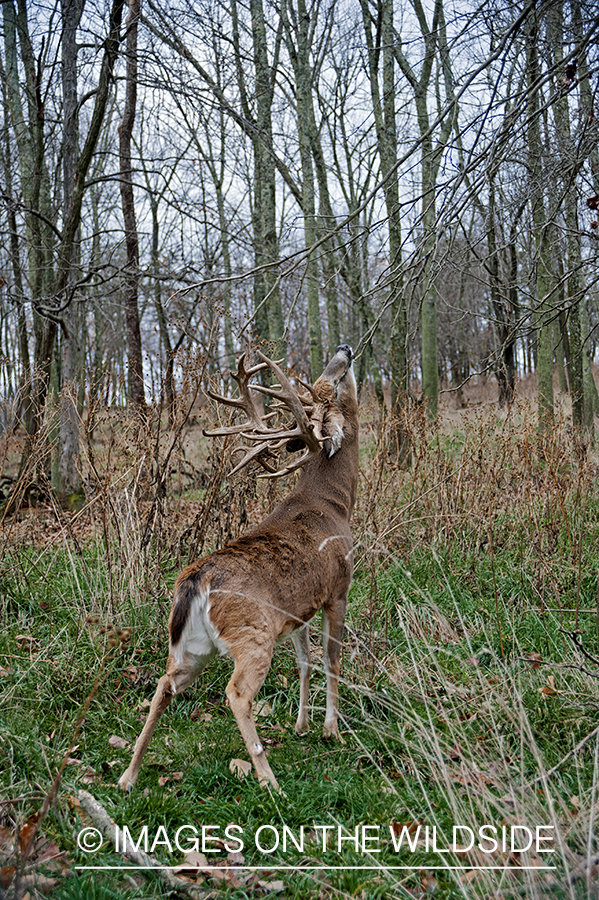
245,400
311,391
296,464
290,398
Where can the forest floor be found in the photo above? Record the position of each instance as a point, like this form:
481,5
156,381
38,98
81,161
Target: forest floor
469,703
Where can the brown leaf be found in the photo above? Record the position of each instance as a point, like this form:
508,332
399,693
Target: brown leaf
129,674
28,831
117,742
240,767
548,689
6,875
428,881
467,877
535,660
411,827
164,779
88,776
192,862
271,887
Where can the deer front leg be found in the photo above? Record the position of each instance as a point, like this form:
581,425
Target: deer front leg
246,681
175,681
301,643
332,631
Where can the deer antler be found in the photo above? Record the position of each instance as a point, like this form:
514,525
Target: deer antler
267,440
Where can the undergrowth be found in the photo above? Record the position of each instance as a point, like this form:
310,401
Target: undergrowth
470,692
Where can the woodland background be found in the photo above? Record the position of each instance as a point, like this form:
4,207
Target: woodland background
420,180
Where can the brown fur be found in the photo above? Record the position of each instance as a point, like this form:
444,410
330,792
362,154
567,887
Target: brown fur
269,583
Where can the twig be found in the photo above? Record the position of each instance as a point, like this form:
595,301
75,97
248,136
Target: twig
576,639
579,746
107,827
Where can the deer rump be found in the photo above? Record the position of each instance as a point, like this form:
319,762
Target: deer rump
268,584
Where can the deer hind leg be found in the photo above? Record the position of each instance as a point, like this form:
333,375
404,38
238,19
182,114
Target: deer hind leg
174,682
247,679
332,631
301,643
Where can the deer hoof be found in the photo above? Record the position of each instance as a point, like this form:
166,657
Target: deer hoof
332,731
125,783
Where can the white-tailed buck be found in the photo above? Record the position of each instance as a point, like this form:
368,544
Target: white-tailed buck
268,584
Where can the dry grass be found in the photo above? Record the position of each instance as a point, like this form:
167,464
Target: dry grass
466,698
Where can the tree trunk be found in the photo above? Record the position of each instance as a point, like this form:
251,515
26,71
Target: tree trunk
544,277
69,479
386,132
299,54
266,243
588,122
131,276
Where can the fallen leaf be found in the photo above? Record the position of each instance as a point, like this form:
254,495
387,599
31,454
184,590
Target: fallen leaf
6,875
428,881
27,832
467,877
192,861
117,742
164,779
176,776
535,659
548,689
130,674
272,887
240,767
410,827
263,709
88,776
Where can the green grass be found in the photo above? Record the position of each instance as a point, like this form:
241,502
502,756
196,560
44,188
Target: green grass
445,719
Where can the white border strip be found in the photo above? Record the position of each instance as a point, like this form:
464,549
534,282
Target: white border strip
329,868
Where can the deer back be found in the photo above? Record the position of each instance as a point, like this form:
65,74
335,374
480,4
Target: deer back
299,557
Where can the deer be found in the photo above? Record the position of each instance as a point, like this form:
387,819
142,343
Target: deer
269,583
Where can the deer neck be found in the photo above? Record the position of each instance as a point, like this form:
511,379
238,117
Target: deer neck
333,480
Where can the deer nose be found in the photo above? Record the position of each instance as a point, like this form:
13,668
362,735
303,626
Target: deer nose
345,348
